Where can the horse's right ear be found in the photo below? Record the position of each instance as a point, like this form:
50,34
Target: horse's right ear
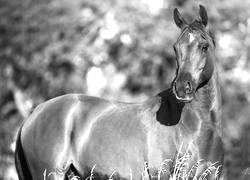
203,15
178,19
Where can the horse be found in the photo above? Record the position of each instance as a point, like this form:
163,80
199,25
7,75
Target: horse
76,135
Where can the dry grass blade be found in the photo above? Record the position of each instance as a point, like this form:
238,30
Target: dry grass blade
110,177
217,172
209,170
192,171
164,168
91,177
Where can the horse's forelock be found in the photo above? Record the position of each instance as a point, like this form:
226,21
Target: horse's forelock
197,26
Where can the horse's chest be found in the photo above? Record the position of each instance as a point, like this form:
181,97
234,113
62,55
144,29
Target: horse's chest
161,145
165,141
190,121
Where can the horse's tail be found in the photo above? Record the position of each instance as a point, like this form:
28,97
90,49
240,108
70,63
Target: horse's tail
20,160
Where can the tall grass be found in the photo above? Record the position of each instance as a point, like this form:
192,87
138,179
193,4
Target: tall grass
180,170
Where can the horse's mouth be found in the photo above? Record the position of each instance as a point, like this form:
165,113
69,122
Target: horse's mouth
187,99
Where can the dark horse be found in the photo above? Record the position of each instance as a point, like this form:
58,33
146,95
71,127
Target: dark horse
79,135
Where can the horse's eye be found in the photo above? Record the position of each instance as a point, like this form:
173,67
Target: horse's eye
204,47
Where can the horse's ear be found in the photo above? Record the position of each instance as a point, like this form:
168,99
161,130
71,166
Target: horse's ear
203,15
178,19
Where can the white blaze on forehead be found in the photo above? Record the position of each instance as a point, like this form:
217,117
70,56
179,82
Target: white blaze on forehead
191,37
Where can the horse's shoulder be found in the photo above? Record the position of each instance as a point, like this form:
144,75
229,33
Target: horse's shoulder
152,104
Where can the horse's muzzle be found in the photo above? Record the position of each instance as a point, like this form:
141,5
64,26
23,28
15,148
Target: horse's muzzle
184,91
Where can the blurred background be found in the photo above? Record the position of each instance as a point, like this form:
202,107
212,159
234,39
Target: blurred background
116,49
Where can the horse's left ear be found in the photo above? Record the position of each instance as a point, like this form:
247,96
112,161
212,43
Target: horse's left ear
203,15
178,19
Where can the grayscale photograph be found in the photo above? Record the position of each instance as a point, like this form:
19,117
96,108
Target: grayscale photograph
124,90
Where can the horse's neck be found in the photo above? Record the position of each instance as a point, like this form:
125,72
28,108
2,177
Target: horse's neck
209,94
209,98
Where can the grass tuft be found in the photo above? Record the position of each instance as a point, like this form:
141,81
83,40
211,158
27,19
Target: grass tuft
181,170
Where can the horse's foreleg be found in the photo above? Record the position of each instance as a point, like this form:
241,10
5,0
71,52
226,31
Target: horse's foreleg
211,152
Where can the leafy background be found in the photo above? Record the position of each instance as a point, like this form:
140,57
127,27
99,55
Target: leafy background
116,49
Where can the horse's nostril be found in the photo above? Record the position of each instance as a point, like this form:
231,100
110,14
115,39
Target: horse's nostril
188,87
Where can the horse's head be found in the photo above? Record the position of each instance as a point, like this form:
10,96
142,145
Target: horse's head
194,51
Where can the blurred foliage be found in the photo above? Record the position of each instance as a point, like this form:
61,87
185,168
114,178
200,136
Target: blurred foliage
115,49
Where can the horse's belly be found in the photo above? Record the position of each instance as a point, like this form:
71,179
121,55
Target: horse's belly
120,161
115,145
